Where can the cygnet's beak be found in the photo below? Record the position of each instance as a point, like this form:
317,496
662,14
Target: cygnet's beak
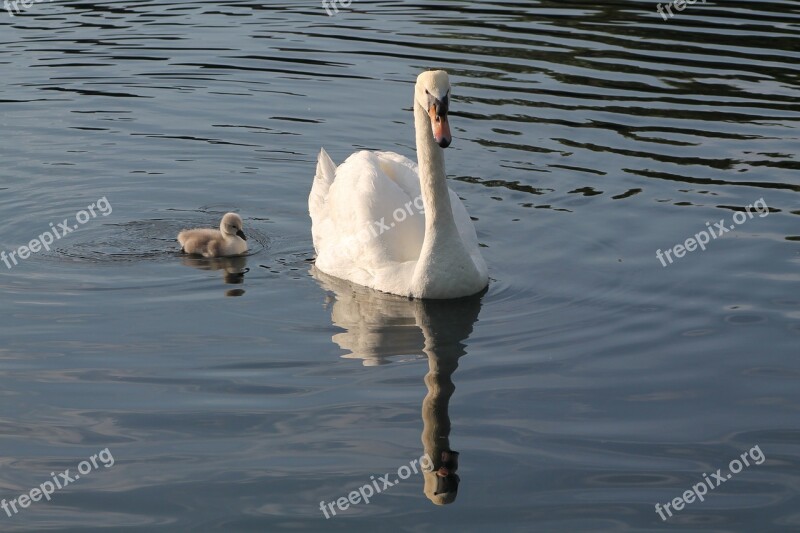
240,233
439,123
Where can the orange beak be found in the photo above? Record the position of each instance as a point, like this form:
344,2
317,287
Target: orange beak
440,127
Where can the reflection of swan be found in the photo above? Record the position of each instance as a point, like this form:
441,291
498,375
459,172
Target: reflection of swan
227,241
378,326
367,223
234,269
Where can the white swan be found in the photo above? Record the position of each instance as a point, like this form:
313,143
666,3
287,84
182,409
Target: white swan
368,224
228,240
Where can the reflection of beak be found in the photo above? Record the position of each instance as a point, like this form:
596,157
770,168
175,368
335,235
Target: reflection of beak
449,463
440,125
447,484
240,233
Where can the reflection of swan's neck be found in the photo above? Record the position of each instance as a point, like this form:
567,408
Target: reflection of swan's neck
440,227
441,488
435,407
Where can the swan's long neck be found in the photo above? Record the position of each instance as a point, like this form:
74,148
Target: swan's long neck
444,267
439,222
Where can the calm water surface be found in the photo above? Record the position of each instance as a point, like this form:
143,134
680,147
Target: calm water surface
588,384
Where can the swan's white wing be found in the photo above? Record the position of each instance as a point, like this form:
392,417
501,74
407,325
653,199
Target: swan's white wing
368,224
364,232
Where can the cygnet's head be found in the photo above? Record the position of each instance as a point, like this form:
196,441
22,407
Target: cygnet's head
432,93
232,225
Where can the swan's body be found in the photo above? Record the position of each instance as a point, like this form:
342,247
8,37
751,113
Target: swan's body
368,222
228,240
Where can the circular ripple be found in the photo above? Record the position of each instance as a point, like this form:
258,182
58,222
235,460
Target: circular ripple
141,240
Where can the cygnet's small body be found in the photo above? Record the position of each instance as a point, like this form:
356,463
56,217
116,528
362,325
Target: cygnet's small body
228,240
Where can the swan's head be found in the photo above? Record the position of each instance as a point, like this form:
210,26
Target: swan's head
432,94
232,225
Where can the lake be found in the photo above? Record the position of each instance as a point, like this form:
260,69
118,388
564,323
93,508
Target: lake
633,180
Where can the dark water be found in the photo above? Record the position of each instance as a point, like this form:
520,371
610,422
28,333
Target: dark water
588,384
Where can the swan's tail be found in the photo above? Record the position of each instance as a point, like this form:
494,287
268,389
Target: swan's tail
326,172
326,168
